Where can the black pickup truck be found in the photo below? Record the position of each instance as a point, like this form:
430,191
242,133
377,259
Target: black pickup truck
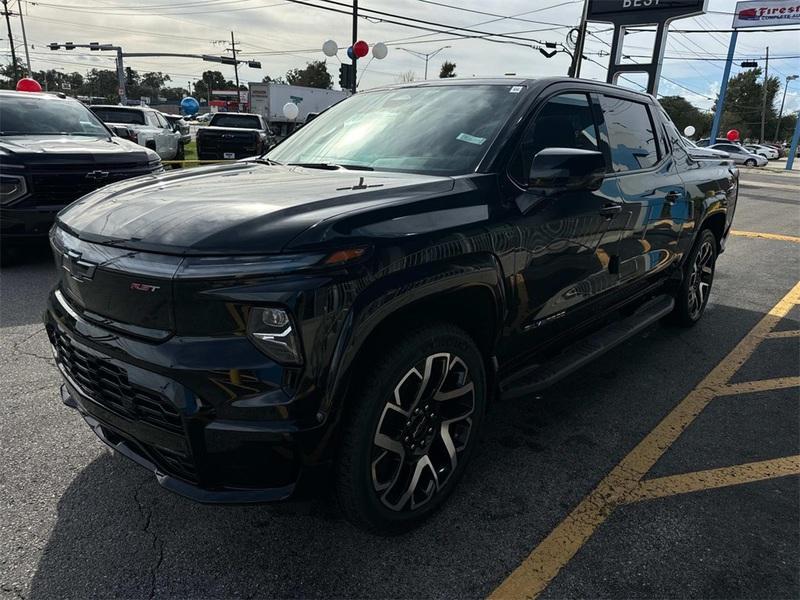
343,309
233,136
53,150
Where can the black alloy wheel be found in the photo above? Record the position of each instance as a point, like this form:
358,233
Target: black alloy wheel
692,297
413,430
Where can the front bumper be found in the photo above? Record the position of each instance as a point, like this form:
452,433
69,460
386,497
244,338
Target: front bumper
27,223
190,445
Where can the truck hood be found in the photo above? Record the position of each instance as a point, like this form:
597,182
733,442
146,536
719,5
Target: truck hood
240,208
60,145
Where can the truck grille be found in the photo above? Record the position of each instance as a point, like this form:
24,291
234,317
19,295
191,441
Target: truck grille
62,184
108,385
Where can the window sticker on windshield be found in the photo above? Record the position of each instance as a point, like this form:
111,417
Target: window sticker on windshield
471,139
515,90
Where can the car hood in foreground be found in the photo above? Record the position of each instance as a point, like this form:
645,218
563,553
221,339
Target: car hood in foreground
241,208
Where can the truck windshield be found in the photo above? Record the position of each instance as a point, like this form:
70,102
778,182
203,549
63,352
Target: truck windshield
124,116
428,129
241,121
31,115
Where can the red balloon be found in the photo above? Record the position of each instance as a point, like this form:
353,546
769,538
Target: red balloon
361,49
28,85
732,135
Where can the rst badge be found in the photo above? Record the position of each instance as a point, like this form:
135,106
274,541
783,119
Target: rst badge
144,287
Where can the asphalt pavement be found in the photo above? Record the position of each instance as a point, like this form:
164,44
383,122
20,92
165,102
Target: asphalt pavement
669,468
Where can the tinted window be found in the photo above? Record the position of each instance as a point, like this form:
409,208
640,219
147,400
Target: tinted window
630,132
727,147
243,121
676,140
565,121
32,115
120,115
162,122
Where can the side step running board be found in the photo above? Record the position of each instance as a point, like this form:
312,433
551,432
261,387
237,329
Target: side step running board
538,377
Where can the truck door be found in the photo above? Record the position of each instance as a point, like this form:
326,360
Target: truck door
568,240
650,187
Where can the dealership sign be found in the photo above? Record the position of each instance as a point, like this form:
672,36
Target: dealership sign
629,12
766,14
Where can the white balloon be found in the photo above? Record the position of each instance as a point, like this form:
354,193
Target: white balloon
290,111
380,50
689,131
330,48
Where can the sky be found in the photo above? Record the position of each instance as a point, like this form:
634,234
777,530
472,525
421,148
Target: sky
284,35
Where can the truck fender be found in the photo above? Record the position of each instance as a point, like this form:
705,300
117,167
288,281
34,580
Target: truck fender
401,290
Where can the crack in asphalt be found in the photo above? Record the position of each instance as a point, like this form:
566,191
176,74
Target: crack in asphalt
16,347
158,544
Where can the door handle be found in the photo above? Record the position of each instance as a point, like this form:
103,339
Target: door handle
672,197
610,209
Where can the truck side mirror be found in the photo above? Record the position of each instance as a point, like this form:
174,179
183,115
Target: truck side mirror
565,169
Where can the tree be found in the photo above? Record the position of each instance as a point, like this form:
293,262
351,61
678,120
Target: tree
448,70
683,113
744,101
406,77
211,80
315,74
278,80
102,83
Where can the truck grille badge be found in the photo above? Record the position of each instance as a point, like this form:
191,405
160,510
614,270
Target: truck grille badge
144,287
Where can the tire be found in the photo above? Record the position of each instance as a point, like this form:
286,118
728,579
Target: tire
750,163
692,296
398,462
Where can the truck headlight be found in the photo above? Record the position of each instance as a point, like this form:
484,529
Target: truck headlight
273,332
12,187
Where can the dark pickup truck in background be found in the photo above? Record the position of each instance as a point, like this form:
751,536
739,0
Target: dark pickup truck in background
232,136
342,309
53,150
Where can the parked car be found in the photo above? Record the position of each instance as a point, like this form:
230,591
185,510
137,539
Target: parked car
345,307
52,151
205,118
740,155
180,125
778,147
150,127
233,135
762,150
704,142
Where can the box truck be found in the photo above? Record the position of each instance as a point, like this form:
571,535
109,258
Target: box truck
268,100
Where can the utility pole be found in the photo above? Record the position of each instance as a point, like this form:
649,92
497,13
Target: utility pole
355,39
780,114
575,67
764,103
235,66
10,39
24,39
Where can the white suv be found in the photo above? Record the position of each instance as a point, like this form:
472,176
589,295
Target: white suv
149,126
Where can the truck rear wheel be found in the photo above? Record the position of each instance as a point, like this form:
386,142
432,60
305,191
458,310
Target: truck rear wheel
692,296
412,429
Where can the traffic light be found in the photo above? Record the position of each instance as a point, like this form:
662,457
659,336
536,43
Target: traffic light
69,46
346,76
749,64
254,64
54,46
94,45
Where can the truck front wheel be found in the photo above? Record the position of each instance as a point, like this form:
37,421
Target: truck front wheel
413,425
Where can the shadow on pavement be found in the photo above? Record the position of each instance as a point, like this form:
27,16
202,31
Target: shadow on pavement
24,285
118,534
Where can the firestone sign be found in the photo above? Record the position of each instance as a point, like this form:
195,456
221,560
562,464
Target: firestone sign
765,14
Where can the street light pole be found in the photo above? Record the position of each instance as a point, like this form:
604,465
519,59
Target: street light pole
426,56
764,100
780,114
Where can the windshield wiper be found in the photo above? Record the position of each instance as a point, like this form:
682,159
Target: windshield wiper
332,166
267,161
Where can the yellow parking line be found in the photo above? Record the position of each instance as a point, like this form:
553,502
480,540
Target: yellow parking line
763,385
716,478
767,236
772,335
557,549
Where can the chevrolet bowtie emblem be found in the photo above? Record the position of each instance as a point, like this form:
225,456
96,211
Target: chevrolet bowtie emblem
97,175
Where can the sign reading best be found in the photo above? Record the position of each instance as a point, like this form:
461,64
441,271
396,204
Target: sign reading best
765,14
